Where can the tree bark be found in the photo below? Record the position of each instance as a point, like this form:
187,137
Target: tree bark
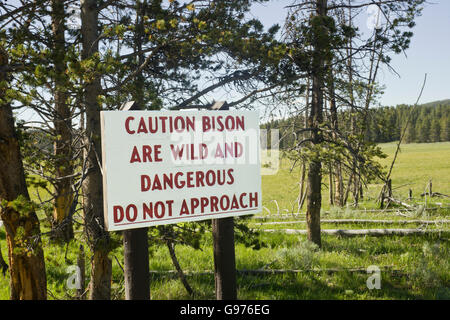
315,119
26,257
173,256
302,193
330,185
81,264
98,237
224,259
3,264
135,241
136,264
62,225
336,172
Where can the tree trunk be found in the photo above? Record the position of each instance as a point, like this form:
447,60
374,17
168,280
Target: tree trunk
81,264
3,264
135,241
173,256
338,185
337,172
98,237
302,193
26,257
62,224
315,119
330,185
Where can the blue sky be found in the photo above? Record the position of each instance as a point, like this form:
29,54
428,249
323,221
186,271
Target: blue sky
429,53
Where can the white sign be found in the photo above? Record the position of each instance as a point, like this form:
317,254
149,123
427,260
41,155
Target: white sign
163,167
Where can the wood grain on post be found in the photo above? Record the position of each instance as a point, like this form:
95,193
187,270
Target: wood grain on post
135,253
223,245
224,259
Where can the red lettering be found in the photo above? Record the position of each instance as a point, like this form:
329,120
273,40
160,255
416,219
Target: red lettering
210,178
241,202
229,123
135,155
199,176
159,213
127,125
178,184
156,183
238,149
157,152
229,149
206,123
145,183
184,208
130,217
204,203
253,201
214,201
190,179
190,123
179,128
194,204
142,127
234,203
118,214
240,123
147,211
146,153
219,152
178,152
170,203
168,181
230,175
163,123
227,201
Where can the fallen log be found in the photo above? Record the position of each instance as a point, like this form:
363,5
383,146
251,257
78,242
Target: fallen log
302,215
362,232
400,202
360,221
174,273
435,194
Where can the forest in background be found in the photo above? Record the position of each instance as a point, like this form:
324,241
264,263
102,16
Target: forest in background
429,122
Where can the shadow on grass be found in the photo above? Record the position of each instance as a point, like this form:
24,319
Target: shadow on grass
303,286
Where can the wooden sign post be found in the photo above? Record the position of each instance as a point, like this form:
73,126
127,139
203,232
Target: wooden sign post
223,247
135,253
224,251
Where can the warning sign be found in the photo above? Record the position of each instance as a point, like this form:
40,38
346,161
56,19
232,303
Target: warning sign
163,167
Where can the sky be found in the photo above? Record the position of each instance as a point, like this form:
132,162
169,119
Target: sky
429,53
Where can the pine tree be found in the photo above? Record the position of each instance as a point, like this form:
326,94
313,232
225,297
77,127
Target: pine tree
435,130
423,129
445,128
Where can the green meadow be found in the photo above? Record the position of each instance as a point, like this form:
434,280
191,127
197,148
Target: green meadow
411,267
416,164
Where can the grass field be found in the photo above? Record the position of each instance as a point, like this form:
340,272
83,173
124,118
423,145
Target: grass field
416,164
412,267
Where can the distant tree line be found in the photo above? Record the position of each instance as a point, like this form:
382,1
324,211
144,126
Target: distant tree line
427,123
